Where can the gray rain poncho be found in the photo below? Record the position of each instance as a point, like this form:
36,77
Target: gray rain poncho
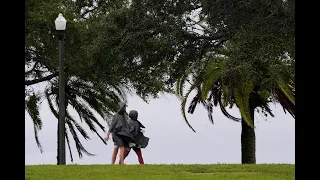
119,128
135,129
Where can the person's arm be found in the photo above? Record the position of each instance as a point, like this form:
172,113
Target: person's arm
107,137
113,124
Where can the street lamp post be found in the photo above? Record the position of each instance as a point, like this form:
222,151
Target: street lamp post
60,24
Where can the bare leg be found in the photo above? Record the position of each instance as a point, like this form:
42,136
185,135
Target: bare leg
121,155
126,153
114,155
139,154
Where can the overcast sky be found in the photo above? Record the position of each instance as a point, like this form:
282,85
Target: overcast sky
171,140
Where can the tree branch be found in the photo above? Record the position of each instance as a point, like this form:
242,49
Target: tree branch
35,81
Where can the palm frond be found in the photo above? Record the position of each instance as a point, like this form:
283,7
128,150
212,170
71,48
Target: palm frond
69,147
54,112
108,97
183,104
93,100
268,110
285,102
179,89
78,143
180,85
210,79
227,96
33,110
87,116
209,107
242,95
216,92
225,112
194,102
79,128
286,90
85,97
69,121
98,101
112,91
216,97
118,89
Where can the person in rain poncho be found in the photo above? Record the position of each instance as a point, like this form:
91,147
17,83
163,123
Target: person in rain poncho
121,136
136,130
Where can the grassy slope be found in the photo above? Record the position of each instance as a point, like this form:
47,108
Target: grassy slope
161,172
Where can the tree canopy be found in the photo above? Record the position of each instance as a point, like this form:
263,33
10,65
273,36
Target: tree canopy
149,46
97,76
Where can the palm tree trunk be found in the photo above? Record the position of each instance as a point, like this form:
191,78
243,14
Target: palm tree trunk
248,138
248,144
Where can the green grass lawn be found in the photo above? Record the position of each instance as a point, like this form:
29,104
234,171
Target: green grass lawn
161,172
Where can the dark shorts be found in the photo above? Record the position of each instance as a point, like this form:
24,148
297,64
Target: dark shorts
119,140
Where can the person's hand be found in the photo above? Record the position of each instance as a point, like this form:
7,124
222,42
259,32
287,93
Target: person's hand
106,138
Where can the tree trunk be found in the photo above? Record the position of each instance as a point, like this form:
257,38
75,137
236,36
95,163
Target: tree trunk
248,144
248,137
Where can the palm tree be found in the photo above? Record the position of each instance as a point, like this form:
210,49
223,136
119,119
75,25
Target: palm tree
84,97
249,84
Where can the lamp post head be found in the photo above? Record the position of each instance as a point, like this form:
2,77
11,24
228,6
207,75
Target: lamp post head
60,23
